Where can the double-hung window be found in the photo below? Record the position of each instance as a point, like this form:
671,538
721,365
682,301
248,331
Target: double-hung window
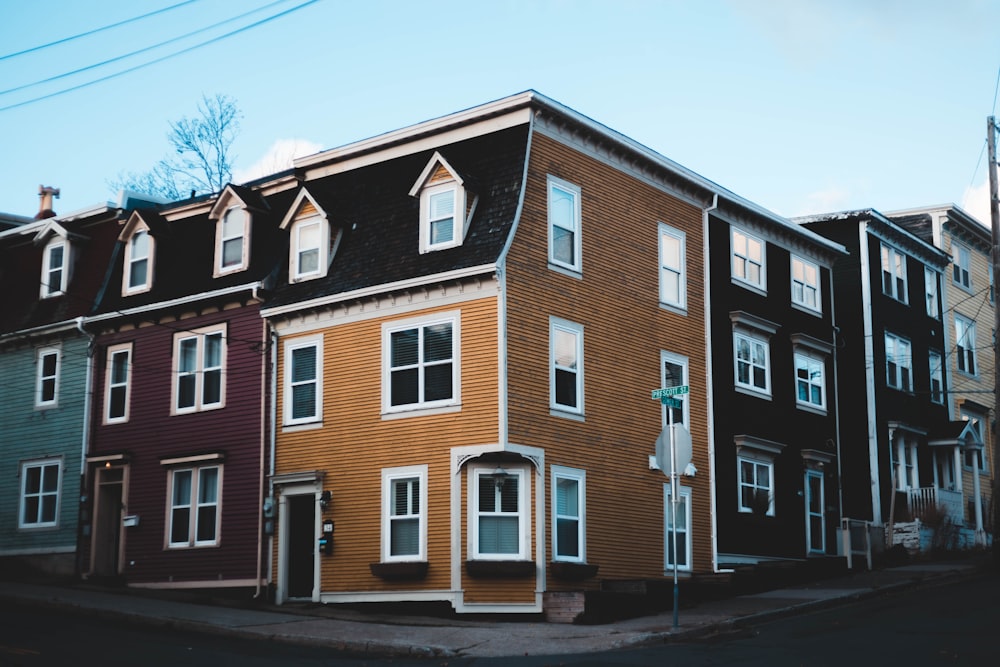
117,378
677,522
199,364
500,513
565,366
965,344
810,384
47,379
937,376
232,240
961,269
420,362
805,284
564,225
748,260
303,396
442,217
568,520
138,262
54,265
931,293
752,363
898,362
39,493
307,248
195,504
756,485
674,373
673,278
894,273
404,513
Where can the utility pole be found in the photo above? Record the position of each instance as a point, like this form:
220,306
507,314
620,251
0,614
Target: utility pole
991,143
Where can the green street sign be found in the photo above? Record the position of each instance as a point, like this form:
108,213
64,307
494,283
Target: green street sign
671,402
666,392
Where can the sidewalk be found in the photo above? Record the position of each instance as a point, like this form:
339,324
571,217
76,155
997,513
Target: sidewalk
388,635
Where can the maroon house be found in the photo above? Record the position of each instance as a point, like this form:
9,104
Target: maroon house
175,470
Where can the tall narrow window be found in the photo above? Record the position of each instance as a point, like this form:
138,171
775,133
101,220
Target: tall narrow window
441,217
752,363
679,526
564,224
937,377
810,386
404,518
137,261
195,500
500,514
931,293
965,344
303,390
307,248
232,239
39,494
894,273
54,268
673,280
748,259
674,374
420,361
898,362
961,270
805,284
199,364
568,514
117,377
756,486
566,366
47,381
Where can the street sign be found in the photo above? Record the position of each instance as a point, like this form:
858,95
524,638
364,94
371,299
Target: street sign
670,391
671,402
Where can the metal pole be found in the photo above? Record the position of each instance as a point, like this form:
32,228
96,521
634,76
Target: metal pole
673,508
991,131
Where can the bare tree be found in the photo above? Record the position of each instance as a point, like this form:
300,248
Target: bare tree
202,161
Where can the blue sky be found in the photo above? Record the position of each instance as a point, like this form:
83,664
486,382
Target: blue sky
802,106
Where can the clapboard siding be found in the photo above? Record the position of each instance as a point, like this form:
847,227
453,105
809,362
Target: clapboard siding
625,329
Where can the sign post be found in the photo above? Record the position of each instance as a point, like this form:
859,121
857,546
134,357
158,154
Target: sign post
666,396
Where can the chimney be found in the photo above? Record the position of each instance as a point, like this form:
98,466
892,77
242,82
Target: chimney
46,194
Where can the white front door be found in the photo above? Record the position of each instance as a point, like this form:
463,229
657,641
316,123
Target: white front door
815,518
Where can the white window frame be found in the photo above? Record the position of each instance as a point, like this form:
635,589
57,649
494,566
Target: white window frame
681,415
752,339
199,335
428,218
221,238
524,524
296,248
127,286
390,476
742,257
811,362
684,506
805,279
40,495
452,318
580,477
50,288
757,461
966,359
288,398
893,263
194,505
42,379
110,385
573,227
673,270
906,462
931,293
961,271
899,351
558,325
935,363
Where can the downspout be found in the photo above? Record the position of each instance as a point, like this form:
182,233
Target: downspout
272,343
263,446
866,312
85,436
709,389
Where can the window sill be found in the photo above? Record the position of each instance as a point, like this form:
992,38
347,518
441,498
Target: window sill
756,393
809,407
566,414
400,571
499,569
572,571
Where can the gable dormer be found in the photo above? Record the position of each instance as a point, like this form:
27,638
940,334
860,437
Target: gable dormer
57,258
313,240
446,205
233,218
139,254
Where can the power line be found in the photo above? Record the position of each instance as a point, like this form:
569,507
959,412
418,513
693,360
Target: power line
161,59
94,31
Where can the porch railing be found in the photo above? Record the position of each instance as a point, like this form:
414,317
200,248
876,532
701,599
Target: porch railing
928,500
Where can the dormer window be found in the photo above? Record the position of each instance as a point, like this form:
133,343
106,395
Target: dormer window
54,268
445,209
232,246
312,240
138,262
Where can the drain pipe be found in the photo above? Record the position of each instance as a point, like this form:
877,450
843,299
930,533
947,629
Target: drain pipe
709,388
85,436
263,449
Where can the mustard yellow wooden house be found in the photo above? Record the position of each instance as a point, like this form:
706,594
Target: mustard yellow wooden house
472,318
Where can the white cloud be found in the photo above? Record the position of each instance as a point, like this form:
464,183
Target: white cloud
277,158
976,201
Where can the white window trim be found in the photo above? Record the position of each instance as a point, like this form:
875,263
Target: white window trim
935,362
40,378
220,240
576,330
47,289
200,334
932,293
523,518
580,476
897,382
389,475
752,338
757,460
760,286
576,267
680,302
802,303
291,345
685,494
458,218
682,361
892,256
127,287
192,541
906,461
111,351
325,248
969,326
388,328
22,497
815,359
963,268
